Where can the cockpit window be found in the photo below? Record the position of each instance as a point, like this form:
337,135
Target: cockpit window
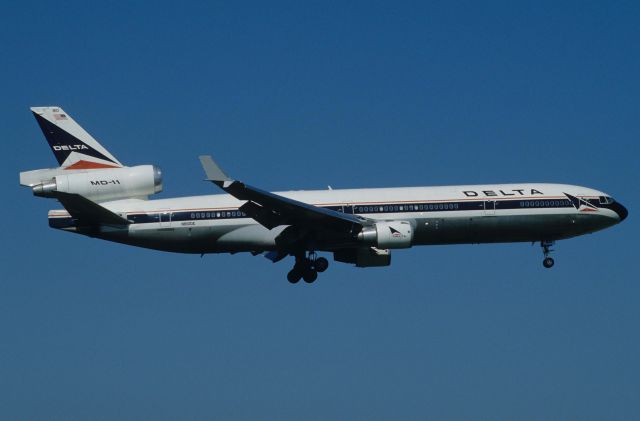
606,200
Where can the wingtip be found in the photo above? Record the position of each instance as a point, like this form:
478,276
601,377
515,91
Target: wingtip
212,169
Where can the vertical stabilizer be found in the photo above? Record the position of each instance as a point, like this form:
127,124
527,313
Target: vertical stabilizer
73,147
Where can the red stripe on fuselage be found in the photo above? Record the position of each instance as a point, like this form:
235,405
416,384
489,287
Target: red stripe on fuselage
88,165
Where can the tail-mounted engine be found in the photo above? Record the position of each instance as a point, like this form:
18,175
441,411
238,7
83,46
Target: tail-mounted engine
97,185
387,235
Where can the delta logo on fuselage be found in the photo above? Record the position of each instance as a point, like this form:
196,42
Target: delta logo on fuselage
493,193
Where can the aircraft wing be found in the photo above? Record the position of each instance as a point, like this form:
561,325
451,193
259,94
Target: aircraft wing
272,210
87,211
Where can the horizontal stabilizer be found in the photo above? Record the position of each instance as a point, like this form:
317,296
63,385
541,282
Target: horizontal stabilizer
88,212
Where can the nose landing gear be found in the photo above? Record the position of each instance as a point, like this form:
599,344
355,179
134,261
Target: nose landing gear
548,261
307,268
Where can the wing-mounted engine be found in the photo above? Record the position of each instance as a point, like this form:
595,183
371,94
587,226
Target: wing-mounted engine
99,185
364,257
387,235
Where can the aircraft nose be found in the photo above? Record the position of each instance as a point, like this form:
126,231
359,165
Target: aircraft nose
620,210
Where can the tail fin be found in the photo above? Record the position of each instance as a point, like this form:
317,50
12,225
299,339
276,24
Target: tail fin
73,147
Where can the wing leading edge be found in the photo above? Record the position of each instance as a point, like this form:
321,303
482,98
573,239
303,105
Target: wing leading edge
272,210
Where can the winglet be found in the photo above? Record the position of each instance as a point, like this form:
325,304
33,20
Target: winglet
213,171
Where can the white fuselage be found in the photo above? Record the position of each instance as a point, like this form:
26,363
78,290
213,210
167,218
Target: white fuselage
438,215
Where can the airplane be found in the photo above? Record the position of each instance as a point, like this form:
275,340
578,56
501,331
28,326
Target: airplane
105,199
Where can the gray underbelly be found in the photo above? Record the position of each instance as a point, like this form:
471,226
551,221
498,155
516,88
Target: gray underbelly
428,231
499,229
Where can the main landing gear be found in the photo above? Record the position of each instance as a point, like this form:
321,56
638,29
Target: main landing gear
307,268
546,250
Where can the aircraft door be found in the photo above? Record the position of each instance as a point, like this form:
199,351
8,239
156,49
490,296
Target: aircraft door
165,218
489,208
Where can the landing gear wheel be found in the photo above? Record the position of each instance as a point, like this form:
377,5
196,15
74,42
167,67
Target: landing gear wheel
546,250
294,276
309,276
321,264
307,267
548,262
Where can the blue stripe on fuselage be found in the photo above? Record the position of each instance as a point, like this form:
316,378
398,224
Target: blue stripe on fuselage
359,209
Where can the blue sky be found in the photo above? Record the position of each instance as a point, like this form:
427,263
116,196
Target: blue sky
302,95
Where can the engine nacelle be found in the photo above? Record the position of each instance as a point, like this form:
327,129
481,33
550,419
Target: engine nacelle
388,235
364,257
104,185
